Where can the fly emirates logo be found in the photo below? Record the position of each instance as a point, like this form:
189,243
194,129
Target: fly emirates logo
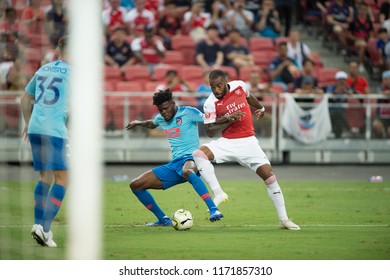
233,107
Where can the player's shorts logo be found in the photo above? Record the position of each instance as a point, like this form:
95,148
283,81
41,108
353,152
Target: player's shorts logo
179,121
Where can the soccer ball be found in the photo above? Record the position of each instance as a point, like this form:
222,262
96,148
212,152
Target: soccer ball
182,220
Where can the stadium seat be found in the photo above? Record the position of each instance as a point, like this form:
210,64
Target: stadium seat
243,41
160,71
261,44
138,73
317,60
230,71
355,113
192,73
151,86
112,74
33,57
373,52
326,76
277,88
246,70
186,45
129,86
38,40
188,101
174,58
108,86
263,59
280,40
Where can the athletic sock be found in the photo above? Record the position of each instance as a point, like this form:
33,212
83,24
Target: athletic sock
276,195
206,170
40,195
201,189
53,204
147,199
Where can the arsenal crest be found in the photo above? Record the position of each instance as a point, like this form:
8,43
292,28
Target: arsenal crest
179,121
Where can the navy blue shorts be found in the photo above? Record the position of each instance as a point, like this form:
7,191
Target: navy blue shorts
48,152
171,174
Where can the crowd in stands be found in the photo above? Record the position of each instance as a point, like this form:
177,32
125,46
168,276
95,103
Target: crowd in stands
151,44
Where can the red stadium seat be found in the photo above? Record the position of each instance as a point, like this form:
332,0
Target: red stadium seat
108,86
112,74
160,71
261,44
355,113
263,59
173,58
192,73
186,45
245,72
230,71
373,52
326,76
317,60
33,57
137,73
129,86
280,40
151,86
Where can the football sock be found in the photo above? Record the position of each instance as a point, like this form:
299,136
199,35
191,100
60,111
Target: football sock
147,199
276,195
53,204
201,189
206,170
40,195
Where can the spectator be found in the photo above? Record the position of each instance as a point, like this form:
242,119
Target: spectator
269,24
381,123
203,91
113,17
138,18
196,21
57,20
256,85
9,23
218,15
174,83
17,79
169,25
359,31
384,11
209,53
341,91
118,50
296,49
236,54
285,9
33,18
148,49
316,8
382,41
307,71
308,86
282,68
356,81
127,4
339,15
240,19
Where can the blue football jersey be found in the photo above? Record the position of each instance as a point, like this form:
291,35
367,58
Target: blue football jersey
50,88
182,130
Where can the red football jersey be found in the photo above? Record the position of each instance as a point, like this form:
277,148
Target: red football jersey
234,100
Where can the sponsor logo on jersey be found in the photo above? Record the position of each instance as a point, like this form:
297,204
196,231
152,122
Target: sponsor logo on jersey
179,121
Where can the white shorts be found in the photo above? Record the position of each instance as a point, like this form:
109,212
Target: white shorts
245,151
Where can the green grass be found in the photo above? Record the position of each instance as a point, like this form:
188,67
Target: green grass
339,221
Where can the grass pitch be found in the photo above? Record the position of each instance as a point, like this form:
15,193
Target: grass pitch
339,221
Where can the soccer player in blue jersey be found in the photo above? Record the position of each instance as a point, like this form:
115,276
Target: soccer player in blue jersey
180,125
47,132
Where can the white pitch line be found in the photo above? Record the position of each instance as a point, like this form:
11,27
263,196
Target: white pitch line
213,225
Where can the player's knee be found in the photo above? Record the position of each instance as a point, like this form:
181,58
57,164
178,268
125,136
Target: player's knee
135,185
199,154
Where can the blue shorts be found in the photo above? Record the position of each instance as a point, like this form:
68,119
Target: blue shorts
48,152
171,174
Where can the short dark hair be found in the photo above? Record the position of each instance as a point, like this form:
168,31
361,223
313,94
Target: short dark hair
171,72
306,60
63,44
216,74
282,44
162,96
382,30
212,26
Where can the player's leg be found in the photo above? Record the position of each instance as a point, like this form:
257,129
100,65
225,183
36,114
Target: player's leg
189,171
140,186
41,192
276,196
202,157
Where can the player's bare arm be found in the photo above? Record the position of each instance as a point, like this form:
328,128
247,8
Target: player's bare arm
26,104
148,124
222,122
254,102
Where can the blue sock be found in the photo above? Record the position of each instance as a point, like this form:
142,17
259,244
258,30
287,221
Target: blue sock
147,199
201,189
40,194
53,204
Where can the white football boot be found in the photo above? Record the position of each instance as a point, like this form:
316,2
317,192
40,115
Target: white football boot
218,199
288,224
43,238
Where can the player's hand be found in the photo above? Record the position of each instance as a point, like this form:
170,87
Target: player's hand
132,124
24,135
236,116
259,114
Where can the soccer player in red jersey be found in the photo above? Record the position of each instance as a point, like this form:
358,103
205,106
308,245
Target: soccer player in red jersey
228,109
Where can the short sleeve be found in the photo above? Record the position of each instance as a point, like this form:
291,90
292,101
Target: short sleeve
194,114
30,88
210,114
